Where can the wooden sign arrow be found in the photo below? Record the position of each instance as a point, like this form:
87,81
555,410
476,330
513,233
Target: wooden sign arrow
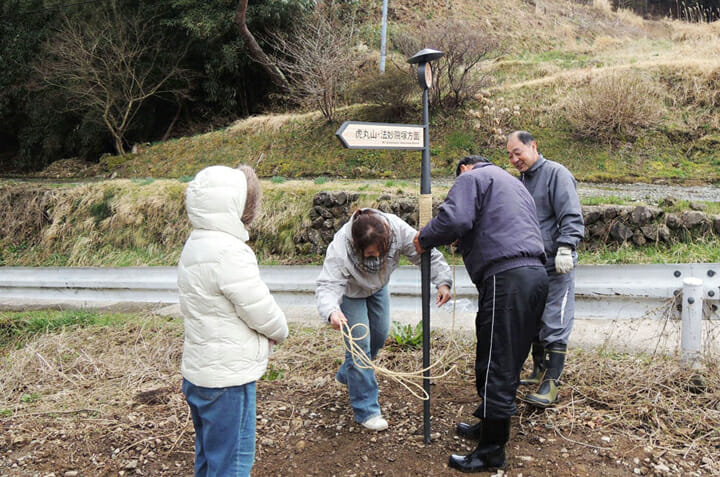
362,135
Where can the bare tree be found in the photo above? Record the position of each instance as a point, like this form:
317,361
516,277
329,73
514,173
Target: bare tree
111,66
455,76
318,61
257,53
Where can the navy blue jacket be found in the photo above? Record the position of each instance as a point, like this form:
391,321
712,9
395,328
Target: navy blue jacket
492,215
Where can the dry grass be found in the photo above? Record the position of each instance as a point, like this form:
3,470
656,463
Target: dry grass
614,106
605,42
684,31
141,222
602,5
92,370
649,399
270,122
104,372
694,86
125,215
630,17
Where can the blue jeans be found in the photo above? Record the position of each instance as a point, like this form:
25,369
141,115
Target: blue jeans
374,312
224,420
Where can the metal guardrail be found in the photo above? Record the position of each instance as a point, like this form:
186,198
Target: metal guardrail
603,291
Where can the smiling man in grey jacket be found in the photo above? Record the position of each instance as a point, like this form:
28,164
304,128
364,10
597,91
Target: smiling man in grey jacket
553,188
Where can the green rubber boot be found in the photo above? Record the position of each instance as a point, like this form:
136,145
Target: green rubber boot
547,393
536,377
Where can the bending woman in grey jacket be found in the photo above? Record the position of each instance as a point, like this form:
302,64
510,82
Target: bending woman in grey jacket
353,288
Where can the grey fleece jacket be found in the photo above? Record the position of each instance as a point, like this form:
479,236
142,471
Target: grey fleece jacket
554,190
341,277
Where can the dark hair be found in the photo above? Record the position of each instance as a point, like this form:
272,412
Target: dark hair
524,137
468,161
253,196
369,228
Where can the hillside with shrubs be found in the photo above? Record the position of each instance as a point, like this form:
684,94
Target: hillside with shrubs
615,96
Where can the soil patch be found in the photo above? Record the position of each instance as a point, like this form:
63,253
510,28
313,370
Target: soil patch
107,401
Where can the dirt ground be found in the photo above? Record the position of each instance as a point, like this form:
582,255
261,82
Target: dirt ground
107,401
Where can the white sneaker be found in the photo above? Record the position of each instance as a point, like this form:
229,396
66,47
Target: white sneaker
376,423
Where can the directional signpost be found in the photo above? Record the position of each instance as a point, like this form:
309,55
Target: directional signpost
411,137
359,135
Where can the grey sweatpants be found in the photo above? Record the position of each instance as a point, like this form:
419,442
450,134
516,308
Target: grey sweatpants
559,314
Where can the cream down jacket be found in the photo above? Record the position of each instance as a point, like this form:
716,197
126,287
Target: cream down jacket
229,314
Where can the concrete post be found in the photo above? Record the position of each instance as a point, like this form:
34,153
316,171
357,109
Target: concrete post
692,315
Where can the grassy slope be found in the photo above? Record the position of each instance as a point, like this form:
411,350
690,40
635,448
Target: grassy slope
124,222
550,51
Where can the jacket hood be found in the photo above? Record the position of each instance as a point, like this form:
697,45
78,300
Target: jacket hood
215,200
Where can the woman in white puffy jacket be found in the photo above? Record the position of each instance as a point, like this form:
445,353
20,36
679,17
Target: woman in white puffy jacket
352,289
231,320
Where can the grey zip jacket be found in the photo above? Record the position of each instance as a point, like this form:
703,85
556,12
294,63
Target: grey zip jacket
340,276
554,190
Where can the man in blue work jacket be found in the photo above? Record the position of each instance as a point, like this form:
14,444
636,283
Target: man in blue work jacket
554,191
492,217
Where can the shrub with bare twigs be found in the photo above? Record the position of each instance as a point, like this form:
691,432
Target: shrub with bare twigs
317,60
456,78
616,106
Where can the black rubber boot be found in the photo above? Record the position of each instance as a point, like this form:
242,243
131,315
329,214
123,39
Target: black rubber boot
490,452
547,393
469,431
538,355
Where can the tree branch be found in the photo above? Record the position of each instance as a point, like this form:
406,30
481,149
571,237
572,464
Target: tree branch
257,53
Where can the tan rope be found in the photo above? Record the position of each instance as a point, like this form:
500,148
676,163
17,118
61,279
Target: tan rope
405,379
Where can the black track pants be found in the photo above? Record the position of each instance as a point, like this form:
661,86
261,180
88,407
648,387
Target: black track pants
509,314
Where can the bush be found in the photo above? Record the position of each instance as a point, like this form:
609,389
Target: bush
696,88
456,76
495,119
315,60
617,106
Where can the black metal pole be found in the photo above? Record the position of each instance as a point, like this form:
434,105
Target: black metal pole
425,272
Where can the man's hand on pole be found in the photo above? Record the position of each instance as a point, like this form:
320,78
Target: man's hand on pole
563,260
443,295
337,319
416,242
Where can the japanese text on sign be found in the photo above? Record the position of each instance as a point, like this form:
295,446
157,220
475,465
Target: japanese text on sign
357,135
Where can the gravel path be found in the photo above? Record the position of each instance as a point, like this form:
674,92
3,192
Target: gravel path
648,193
651,193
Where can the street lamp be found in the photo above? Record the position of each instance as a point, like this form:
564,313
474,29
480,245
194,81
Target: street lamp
424,75
423,58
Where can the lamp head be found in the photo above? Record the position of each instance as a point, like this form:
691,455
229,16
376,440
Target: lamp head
424,56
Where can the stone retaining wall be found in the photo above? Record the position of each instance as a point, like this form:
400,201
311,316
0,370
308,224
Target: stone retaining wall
605,225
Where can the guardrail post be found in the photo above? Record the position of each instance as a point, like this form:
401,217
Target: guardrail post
692,314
